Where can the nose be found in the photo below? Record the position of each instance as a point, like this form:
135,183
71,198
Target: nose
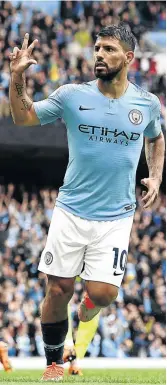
99,54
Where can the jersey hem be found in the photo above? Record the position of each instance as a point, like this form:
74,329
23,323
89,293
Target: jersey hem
89,218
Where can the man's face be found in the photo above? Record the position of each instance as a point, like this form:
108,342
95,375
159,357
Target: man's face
109,58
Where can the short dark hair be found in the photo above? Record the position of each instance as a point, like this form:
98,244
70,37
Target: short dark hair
119,32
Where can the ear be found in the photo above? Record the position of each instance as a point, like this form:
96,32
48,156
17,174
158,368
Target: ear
129,57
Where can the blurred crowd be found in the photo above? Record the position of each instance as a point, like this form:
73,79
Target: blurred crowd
133,326
66,36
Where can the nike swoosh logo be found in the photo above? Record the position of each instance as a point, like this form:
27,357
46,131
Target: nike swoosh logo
82,108
115,273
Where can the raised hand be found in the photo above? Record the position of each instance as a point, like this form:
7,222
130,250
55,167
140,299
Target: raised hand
21,59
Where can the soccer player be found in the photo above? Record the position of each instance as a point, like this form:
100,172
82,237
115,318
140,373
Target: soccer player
106,121
4,359
73,353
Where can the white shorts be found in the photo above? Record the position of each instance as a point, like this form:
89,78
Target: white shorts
95,250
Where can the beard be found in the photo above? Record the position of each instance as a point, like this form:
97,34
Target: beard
108,74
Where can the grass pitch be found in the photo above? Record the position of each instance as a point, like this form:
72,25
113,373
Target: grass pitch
94,377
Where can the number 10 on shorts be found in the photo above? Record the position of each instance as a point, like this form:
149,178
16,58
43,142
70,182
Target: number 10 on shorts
120,259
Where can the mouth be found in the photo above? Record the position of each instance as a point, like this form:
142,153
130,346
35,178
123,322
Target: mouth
100,65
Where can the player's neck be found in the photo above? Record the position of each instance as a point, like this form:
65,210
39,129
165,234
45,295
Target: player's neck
114,88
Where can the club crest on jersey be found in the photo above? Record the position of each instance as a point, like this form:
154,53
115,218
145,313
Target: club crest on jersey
135,116
48,258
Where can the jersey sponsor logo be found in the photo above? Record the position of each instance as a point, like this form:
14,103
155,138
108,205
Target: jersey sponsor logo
48,258
115,273
82,108
135,117
106,135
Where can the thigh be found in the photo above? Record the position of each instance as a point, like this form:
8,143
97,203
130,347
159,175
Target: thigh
64,250
60,285
106,256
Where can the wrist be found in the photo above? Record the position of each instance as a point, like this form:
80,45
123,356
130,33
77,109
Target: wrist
18,78
157,178
18,75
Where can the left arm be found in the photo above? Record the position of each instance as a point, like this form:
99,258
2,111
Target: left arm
154,150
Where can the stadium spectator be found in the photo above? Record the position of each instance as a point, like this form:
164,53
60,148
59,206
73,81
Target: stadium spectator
133,326
72,28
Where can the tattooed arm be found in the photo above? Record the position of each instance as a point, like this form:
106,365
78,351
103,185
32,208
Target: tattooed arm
22,109
154,150
21,105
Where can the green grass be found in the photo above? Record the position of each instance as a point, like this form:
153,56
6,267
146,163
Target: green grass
94,377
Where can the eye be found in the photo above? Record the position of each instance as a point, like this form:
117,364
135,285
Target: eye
96,48
109,49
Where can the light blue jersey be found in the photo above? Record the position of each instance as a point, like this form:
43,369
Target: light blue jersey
105,139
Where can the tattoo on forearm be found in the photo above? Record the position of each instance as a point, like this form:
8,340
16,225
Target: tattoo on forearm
26,105
155,159
19,89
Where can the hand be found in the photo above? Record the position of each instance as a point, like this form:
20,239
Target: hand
148,197
21,59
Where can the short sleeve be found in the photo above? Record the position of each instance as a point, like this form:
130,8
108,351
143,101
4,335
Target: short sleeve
51,109
154,127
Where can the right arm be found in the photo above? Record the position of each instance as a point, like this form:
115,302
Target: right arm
24,111
21,105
